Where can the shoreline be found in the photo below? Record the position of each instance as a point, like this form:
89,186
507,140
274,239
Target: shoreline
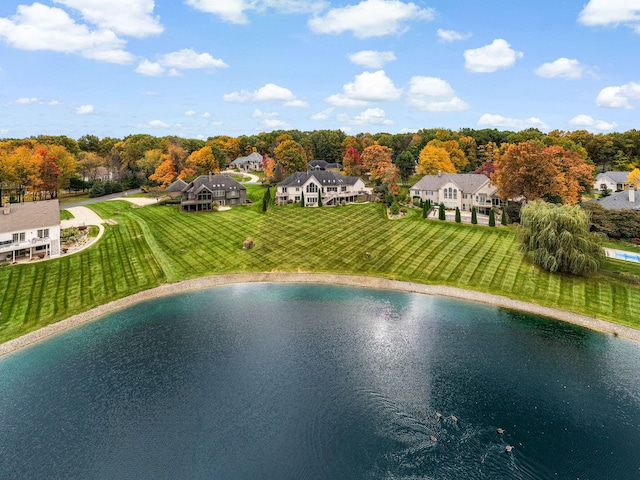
317,278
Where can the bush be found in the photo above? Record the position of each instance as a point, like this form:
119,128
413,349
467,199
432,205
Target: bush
97,190
394,209
248,243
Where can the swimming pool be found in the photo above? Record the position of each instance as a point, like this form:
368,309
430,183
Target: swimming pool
632,257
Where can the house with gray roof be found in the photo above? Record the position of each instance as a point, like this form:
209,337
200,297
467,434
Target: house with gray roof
322,165
462,190
334,187
250,163
611,181
29,229
625,200
201,194
175,189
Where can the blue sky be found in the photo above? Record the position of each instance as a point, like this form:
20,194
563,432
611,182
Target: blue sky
199,68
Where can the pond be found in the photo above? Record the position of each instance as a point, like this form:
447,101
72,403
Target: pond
288,381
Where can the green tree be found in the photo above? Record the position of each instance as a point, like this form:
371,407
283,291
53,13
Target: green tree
266,200
406,164
474,216
302,199
441,213
425,209
320,197
492,218
504,220
291,156
458,218
557,238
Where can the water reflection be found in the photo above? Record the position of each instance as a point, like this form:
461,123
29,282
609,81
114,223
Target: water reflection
297,381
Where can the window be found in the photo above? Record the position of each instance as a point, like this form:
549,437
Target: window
297,189
455,193
284,189
445,193
218,193
343,188
312,188
43,233
297,198
19,237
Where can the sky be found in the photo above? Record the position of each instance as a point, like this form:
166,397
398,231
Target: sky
201,68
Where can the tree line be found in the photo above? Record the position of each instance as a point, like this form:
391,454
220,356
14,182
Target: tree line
559,165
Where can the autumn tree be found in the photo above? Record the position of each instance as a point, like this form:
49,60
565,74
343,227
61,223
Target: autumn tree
456,155
375,157
351,162
203,161
165,174
527,170
433,160
634,178
291,156
48,172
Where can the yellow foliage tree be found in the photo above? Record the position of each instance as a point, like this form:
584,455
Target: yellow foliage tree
433,160
634,178
203,161
456,155
165,173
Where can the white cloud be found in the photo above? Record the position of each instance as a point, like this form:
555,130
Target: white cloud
269,120
370,18
26,100
367,88
133,18
449,36
176,61
54,103
150,69
490,58
39,27
371,58
85,109
591,123
561,68
3,131
611,13
433,94
498,121
193,113
371,116
619,96
323,115
155,124
269,93
233,11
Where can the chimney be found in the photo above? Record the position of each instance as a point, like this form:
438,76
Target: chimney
7,208
632,194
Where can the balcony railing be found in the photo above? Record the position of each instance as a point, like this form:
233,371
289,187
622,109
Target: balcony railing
36,242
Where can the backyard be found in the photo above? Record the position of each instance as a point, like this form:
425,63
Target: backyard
157,244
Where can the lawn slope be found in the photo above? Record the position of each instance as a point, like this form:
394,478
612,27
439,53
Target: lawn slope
155,244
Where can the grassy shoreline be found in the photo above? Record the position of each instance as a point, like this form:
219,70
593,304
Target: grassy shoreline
155,245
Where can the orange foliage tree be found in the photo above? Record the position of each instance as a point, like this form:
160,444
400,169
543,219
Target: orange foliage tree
530,171
434,159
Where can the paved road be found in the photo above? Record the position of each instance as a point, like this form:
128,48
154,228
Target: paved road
100,199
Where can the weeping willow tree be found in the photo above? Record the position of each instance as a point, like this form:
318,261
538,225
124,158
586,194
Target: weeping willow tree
557,238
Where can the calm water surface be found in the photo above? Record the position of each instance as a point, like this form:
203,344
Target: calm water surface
316,382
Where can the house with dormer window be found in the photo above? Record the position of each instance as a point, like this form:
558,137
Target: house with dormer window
461,190
204,192
334,187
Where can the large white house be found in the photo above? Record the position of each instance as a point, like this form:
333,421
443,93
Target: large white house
462,190
333,186
250,163
611,181
30,229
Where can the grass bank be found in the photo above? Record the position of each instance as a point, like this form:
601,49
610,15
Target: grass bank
157,244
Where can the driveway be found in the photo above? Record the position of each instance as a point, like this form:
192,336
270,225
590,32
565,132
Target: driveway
112,196
81,216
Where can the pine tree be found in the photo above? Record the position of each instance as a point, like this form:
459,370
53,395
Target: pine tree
458,219
505,218
320,197
441,213
266,199
492,218
425,209
474,216
302,199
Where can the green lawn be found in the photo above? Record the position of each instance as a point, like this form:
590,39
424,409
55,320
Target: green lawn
158,244
66,215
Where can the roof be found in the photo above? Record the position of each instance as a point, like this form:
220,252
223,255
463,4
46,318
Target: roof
467,182
619,201
255,157
323,177
614,177
30,215
176,186
321,164
214,182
